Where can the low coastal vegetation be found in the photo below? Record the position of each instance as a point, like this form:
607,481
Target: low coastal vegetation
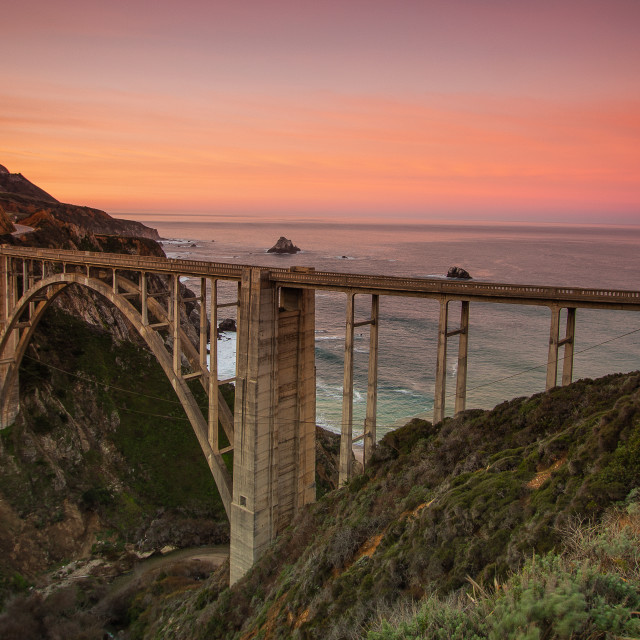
528,512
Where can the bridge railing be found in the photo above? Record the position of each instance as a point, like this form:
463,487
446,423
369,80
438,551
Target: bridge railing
329,279
435,285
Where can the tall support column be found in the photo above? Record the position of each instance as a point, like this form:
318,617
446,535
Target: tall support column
255,451
202,351
463,347
30,278
175,316
6,288
214,399
372,382
567,364
143,298
346,439
25,276
552,359
8,297
441,364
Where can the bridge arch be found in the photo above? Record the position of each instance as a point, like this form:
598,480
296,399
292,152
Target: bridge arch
37,300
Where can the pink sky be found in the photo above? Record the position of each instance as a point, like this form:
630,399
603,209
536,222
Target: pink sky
416,109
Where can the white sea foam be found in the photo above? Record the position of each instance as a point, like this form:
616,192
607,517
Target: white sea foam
175,241
226,346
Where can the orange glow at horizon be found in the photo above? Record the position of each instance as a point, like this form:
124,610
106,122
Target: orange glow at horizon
252,117
366,155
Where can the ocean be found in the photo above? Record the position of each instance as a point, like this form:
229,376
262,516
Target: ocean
507,343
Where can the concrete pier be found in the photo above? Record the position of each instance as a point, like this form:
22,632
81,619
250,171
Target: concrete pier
274,455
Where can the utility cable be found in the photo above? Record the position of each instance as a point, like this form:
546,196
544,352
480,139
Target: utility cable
103,384
177,402
540,366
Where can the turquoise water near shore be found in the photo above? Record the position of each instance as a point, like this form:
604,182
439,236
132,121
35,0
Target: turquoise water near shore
507,344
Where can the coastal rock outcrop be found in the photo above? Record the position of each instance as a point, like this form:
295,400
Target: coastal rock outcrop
228,324
284,245
458,272
17,183
6,226
22,200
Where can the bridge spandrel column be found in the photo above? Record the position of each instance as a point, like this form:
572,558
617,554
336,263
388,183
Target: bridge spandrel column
569,342
11,406
346,436
552,358
255,451
441,364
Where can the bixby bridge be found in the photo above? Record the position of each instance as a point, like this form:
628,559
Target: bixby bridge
272,429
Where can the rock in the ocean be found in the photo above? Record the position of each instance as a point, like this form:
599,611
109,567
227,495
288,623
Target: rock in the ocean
458,272
228,324
283,246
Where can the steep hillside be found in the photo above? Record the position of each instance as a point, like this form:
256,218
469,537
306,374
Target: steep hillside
26,203
17,183
83,471
6,226
472,497
101,454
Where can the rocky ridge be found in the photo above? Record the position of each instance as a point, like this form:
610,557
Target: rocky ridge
6,226
18,184
26,203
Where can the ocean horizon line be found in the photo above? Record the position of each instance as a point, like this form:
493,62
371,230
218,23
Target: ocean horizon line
231,219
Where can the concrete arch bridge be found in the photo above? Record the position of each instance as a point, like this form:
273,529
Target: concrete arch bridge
272,428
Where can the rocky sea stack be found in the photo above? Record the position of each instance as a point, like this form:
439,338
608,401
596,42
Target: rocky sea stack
458,272
228,324
283,245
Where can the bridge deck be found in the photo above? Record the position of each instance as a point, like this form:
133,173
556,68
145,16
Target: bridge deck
497,292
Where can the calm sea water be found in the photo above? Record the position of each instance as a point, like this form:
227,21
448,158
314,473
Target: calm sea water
507,344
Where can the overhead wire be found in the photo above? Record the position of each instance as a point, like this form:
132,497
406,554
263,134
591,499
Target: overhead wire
177,402
546,364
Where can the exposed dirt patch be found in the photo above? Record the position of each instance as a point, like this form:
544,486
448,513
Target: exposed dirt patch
542,476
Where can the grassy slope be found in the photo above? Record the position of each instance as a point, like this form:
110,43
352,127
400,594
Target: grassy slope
473,496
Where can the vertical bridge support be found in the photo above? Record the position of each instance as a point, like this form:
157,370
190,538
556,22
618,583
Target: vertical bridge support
274,458
554,345
439,400
8,298
369,434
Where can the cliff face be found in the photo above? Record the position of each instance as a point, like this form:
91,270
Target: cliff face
100,453
80,470
29,211
17,183
6,226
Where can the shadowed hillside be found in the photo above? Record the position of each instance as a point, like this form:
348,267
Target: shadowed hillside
470,498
